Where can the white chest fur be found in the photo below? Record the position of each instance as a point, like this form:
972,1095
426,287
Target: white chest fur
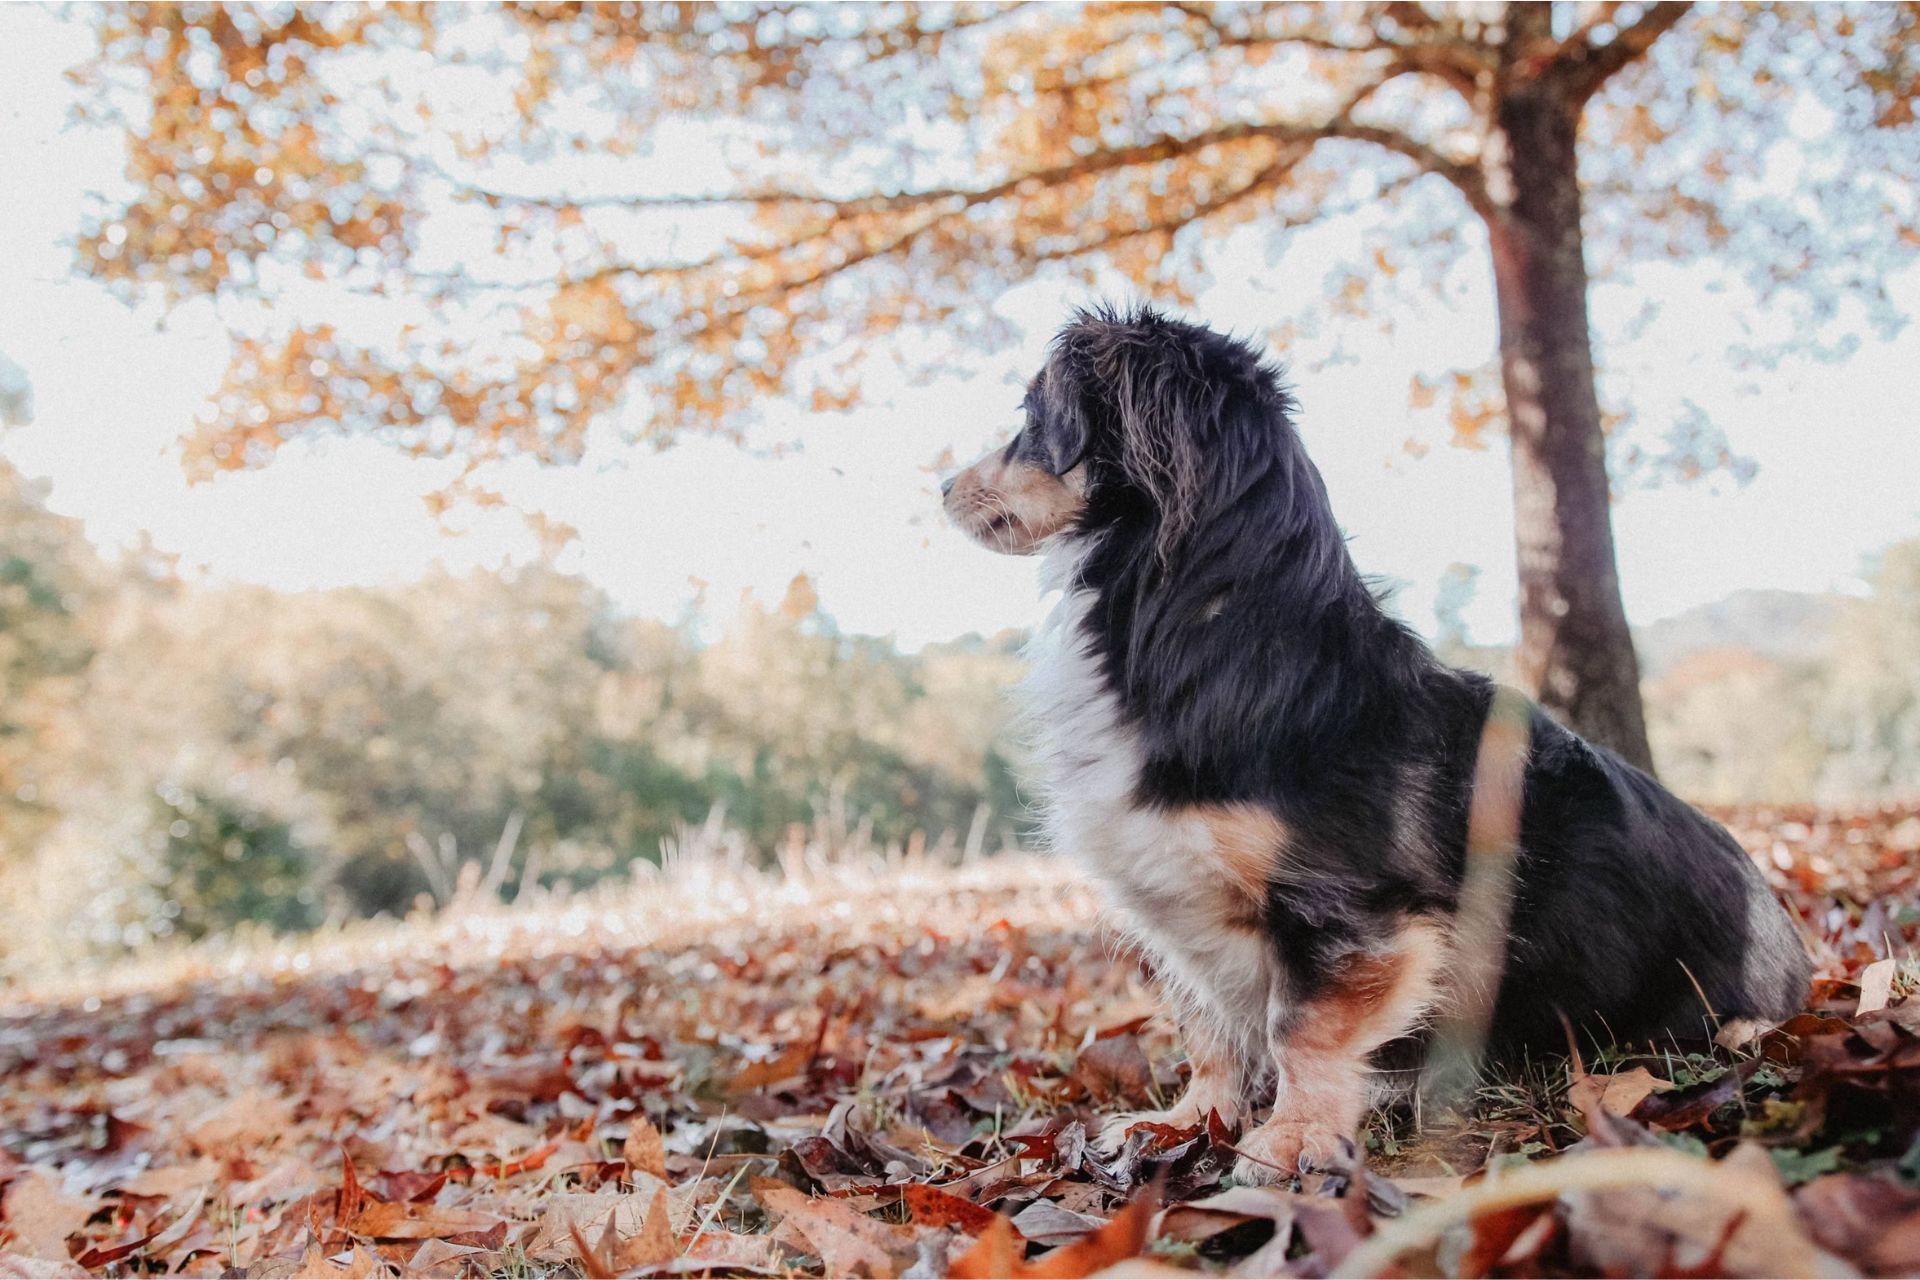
1158,868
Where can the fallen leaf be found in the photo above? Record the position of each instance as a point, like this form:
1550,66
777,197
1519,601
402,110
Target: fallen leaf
997,1252
847,1241
932,1207
1619,1093
172,1180
644,1150
100,1256
1197,1220
182,1225
41,1214
586,1212
432,1256
1876,986
247,1122
783,1067
1046,1222
1871,1219
408,1221
735,1252
1501,1235
21,1266
654,1243
1115,1070
1679,1109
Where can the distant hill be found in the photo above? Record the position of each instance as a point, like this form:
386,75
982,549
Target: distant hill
1786,626
1783,626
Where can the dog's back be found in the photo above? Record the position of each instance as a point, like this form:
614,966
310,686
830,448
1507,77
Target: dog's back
1636,909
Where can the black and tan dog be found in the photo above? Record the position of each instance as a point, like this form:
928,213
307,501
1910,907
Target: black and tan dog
1271,778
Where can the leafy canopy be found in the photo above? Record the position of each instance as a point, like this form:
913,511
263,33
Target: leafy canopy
475,231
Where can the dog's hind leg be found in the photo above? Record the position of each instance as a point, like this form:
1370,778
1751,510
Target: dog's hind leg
1322,1046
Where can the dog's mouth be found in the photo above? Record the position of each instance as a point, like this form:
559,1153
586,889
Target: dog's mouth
995,523
1012,508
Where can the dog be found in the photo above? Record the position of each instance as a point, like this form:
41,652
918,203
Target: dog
1272,780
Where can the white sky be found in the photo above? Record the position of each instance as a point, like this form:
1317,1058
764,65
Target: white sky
1837,445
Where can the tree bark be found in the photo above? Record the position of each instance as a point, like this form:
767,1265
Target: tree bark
1576,654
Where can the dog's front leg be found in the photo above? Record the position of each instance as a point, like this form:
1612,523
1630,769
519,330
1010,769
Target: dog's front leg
1217,1083
1321,1048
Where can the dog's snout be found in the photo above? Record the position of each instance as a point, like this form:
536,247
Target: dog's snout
946,486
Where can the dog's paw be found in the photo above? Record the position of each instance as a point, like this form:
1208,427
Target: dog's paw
1282,1147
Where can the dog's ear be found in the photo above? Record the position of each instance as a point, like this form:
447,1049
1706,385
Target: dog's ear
1066,414
1165,410
1068,436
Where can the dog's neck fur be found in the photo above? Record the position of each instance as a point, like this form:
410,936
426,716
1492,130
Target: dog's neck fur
1254,644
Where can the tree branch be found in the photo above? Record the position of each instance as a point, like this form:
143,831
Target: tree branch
1585,67
922,210
1340,125
1455,62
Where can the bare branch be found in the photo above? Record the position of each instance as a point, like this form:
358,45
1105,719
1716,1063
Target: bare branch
1585,66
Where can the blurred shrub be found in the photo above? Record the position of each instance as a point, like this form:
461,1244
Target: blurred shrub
179,760
228,864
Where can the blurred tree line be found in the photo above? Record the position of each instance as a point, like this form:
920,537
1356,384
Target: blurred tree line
1840,722
176,759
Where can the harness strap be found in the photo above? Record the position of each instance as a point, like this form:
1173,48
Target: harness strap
1486,898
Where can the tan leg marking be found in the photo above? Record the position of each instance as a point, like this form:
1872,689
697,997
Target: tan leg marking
1323,1047
1246,844
1216,1084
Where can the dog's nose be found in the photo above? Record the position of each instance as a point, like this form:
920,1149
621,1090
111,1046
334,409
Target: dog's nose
946,486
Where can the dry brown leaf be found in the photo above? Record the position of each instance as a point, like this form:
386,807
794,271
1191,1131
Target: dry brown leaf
172,1180
1431,1186
1624,1229
1048,1223
654,1243
1876,986
785,1066
363,1264
644,1150
1619,1093
314,1261
20,1266
932,1207
244,1123
726,1249
1873,1221
408,1221
1115,1069
997,1252
437,1257
41,1213
1199,1219
586,1213
182,1226
848,1242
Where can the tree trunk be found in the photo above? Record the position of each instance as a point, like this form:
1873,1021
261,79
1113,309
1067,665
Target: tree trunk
1575,655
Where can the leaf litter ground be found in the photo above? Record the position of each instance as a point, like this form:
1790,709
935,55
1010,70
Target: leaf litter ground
893,1070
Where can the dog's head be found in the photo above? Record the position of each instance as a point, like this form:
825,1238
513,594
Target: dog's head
1133,414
